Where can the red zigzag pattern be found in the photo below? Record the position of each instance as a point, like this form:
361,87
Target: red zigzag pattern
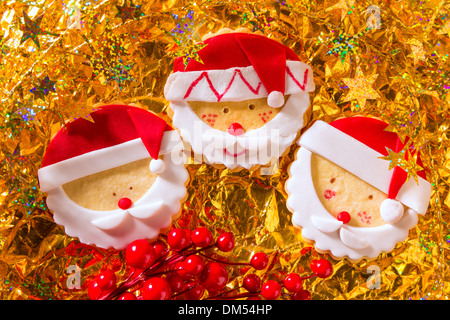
238,72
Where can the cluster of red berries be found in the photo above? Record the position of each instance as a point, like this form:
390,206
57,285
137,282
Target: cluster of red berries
180,268
292,282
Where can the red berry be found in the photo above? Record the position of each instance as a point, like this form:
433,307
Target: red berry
179,266
322,268
271,290
301,295
225,242
94,290
124,203
127,296
104,282
194,291
214,276
344,216
252,282
193,264
178,239
160,247
259,261
140,254
293,282
156,289
175,281
202,237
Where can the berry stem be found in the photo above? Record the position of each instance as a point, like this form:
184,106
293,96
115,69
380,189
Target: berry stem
225,262
165,260
309,277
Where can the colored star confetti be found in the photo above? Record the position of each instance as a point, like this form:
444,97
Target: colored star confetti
44,87
109,58
361,88
31,29
129,12
344,45
183,35
259,21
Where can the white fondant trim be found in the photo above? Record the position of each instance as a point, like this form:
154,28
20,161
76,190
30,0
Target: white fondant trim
304,202
325,224
110,222
99,160
351,240
228,85
364,162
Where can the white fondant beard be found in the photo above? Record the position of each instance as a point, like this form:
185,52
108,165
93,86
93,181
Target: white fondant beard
326,231
254,147
117,228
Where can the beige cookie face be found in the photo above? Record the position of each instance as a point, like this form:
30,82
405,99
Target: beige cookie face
250,114
103,190
339,190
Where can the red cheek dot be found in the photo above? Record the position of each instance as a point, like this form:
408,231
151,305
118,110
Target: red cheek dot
344,216
329,194
125,203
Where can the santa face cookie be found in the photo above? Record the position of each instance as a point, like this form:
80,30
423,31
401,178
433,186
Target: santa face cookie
114,180
243,106
343,195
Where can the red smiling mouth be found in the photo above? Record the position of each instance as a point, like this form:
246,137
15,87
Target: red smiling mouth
233,154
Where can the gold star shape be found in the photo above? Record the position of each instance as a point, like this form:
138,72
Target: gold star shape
190,51
128,12
404,159
31,29
361,88
344,5
184,37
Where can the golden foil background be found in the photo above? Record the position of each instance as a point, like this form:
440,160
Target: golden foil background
56,67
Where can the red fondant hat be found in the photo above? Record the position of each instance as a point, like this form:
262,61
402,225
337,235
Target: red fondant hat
119,134
239,66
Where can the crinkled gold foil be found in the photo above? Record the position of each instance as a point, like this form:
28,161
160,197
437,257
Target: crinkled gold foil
59,59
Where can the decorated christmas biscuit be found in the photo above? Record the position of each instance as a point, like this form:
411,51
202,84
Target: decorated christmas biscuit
345,197
243,104
116,179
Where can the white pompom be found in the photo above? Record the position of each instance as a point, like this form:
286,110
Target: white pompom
391,210
275,99
157,166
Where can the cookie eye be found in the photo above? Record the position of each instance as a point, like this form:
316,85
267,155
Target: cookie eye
225,110
251,107
370,197
332,180
114,194
131,188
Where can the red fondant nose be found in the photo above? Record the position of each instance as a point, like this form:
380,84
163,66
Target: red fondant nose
125,203
235,129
